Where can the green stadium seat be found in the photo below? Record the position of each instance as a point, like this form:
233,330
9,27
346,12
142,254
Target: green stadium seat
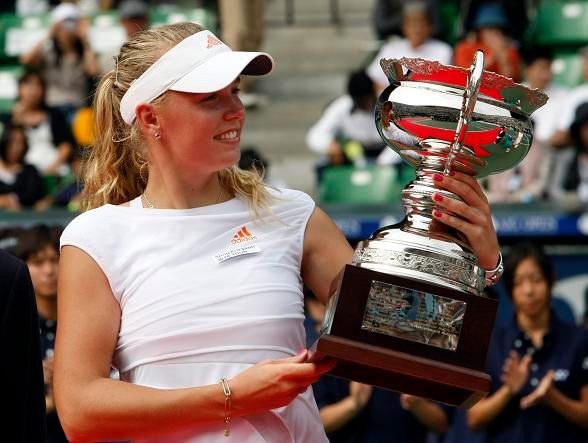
568,68
560,23
369,185
19,34
9,86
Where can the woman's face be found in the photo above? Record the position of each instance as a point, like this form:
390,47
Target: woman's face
66,33
16,147
31,92
531,291
202,132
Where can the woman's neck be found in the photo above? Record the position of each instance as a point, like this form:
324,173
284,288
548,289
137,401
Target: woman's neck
535,326
172,191
47,307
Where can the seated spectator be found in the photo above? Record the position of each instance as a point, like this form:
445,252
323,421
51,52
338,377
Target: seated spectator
346,132
66,60
537,362
20,183
134,17
353,412
534,177
417,29
38,247
515,12
501,56
387,17
48,134
252,160
576,180
68,194
561,138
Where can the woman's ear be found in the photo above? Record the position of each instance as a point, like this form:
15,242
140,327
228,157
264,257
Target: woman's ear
148,119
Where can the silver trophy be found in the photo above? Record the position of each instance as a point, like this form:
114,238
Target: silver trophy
443,118
409,314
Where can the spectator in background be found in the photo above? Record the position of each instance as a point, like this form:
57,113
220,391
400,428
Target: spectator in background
417,29
38,248
387,17
501,56
538,364
534,177
21,373
242,24
252,160
134,16
578,95
48,134
20,183
353,412
576,180
68,193
515,13
66,60
346,132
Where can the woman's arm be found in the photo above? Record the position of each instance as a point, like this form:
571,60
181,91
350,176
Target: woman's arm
486,410
575,411
514,377
94,407
336,415
427,412
326,252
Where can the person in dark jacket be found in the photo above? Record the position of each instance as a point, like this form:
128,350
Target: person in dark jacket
21,371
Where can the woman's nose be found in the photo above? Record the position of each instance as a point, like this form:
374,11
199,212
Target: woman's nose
236,110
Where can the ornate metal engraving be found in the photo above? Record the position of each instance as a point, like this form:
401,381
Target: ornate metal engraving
456,272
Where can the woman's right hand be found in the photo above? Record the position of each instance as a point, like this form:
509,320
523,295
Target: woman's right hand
515,371
272,384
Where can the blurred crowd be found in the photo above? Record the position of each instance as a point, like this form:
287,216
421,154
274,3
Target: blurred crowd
556,167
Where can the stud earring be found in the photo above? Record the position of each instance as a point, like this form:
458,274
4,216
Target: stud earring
157,136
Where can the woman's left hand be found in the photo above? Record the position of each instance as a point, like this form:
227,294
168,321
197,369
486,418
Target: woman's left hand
474,218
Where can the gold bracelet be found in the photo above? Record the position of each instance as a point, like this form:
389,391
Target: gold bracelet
227,391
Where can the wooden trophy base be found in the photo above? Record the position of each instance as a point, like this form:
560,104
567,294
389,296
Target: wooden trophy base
454,377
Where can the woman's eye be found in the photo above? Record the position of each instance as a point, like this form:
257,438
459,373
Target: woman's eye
236,91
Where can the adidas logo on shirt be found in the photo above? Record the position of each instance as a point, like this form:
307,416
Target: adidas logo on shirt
242,236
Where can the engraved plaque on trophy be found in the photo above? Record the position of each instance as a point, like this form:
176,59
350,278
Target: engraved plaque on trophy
409,313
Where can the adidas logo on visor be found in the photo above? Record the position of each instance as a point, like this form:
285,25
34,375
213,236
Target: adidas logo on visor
242,236
212,41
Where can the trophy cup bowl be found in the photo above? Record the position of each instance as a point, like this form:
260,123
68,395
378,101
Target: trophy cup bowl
409,313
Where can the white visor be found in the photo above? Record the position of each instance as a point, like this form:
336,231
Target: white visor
199,63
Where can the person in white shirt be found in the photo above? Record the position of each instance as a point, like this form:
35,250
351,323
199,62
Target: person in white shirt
346,132
417,29
530,180
187,273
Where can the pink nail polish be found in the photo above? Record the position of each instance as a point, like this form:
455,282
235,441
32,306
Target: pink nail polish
437,213
437,177
437,197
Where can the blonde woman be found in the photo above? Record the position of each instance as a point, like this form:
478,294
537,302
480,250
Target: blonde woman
186,274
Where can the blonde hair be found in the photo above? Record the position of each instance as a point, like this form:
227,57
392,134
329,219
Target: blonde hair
115,169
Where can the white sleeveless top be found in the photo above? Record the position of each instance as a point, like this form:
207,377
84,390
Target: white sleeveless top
206,293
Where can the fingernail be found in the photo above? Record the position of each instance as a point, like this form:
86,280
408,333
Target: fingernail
437,197
437,177
437,213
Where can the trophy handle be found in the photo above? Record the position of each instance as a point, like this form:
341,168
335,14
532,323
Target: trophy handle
470,97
